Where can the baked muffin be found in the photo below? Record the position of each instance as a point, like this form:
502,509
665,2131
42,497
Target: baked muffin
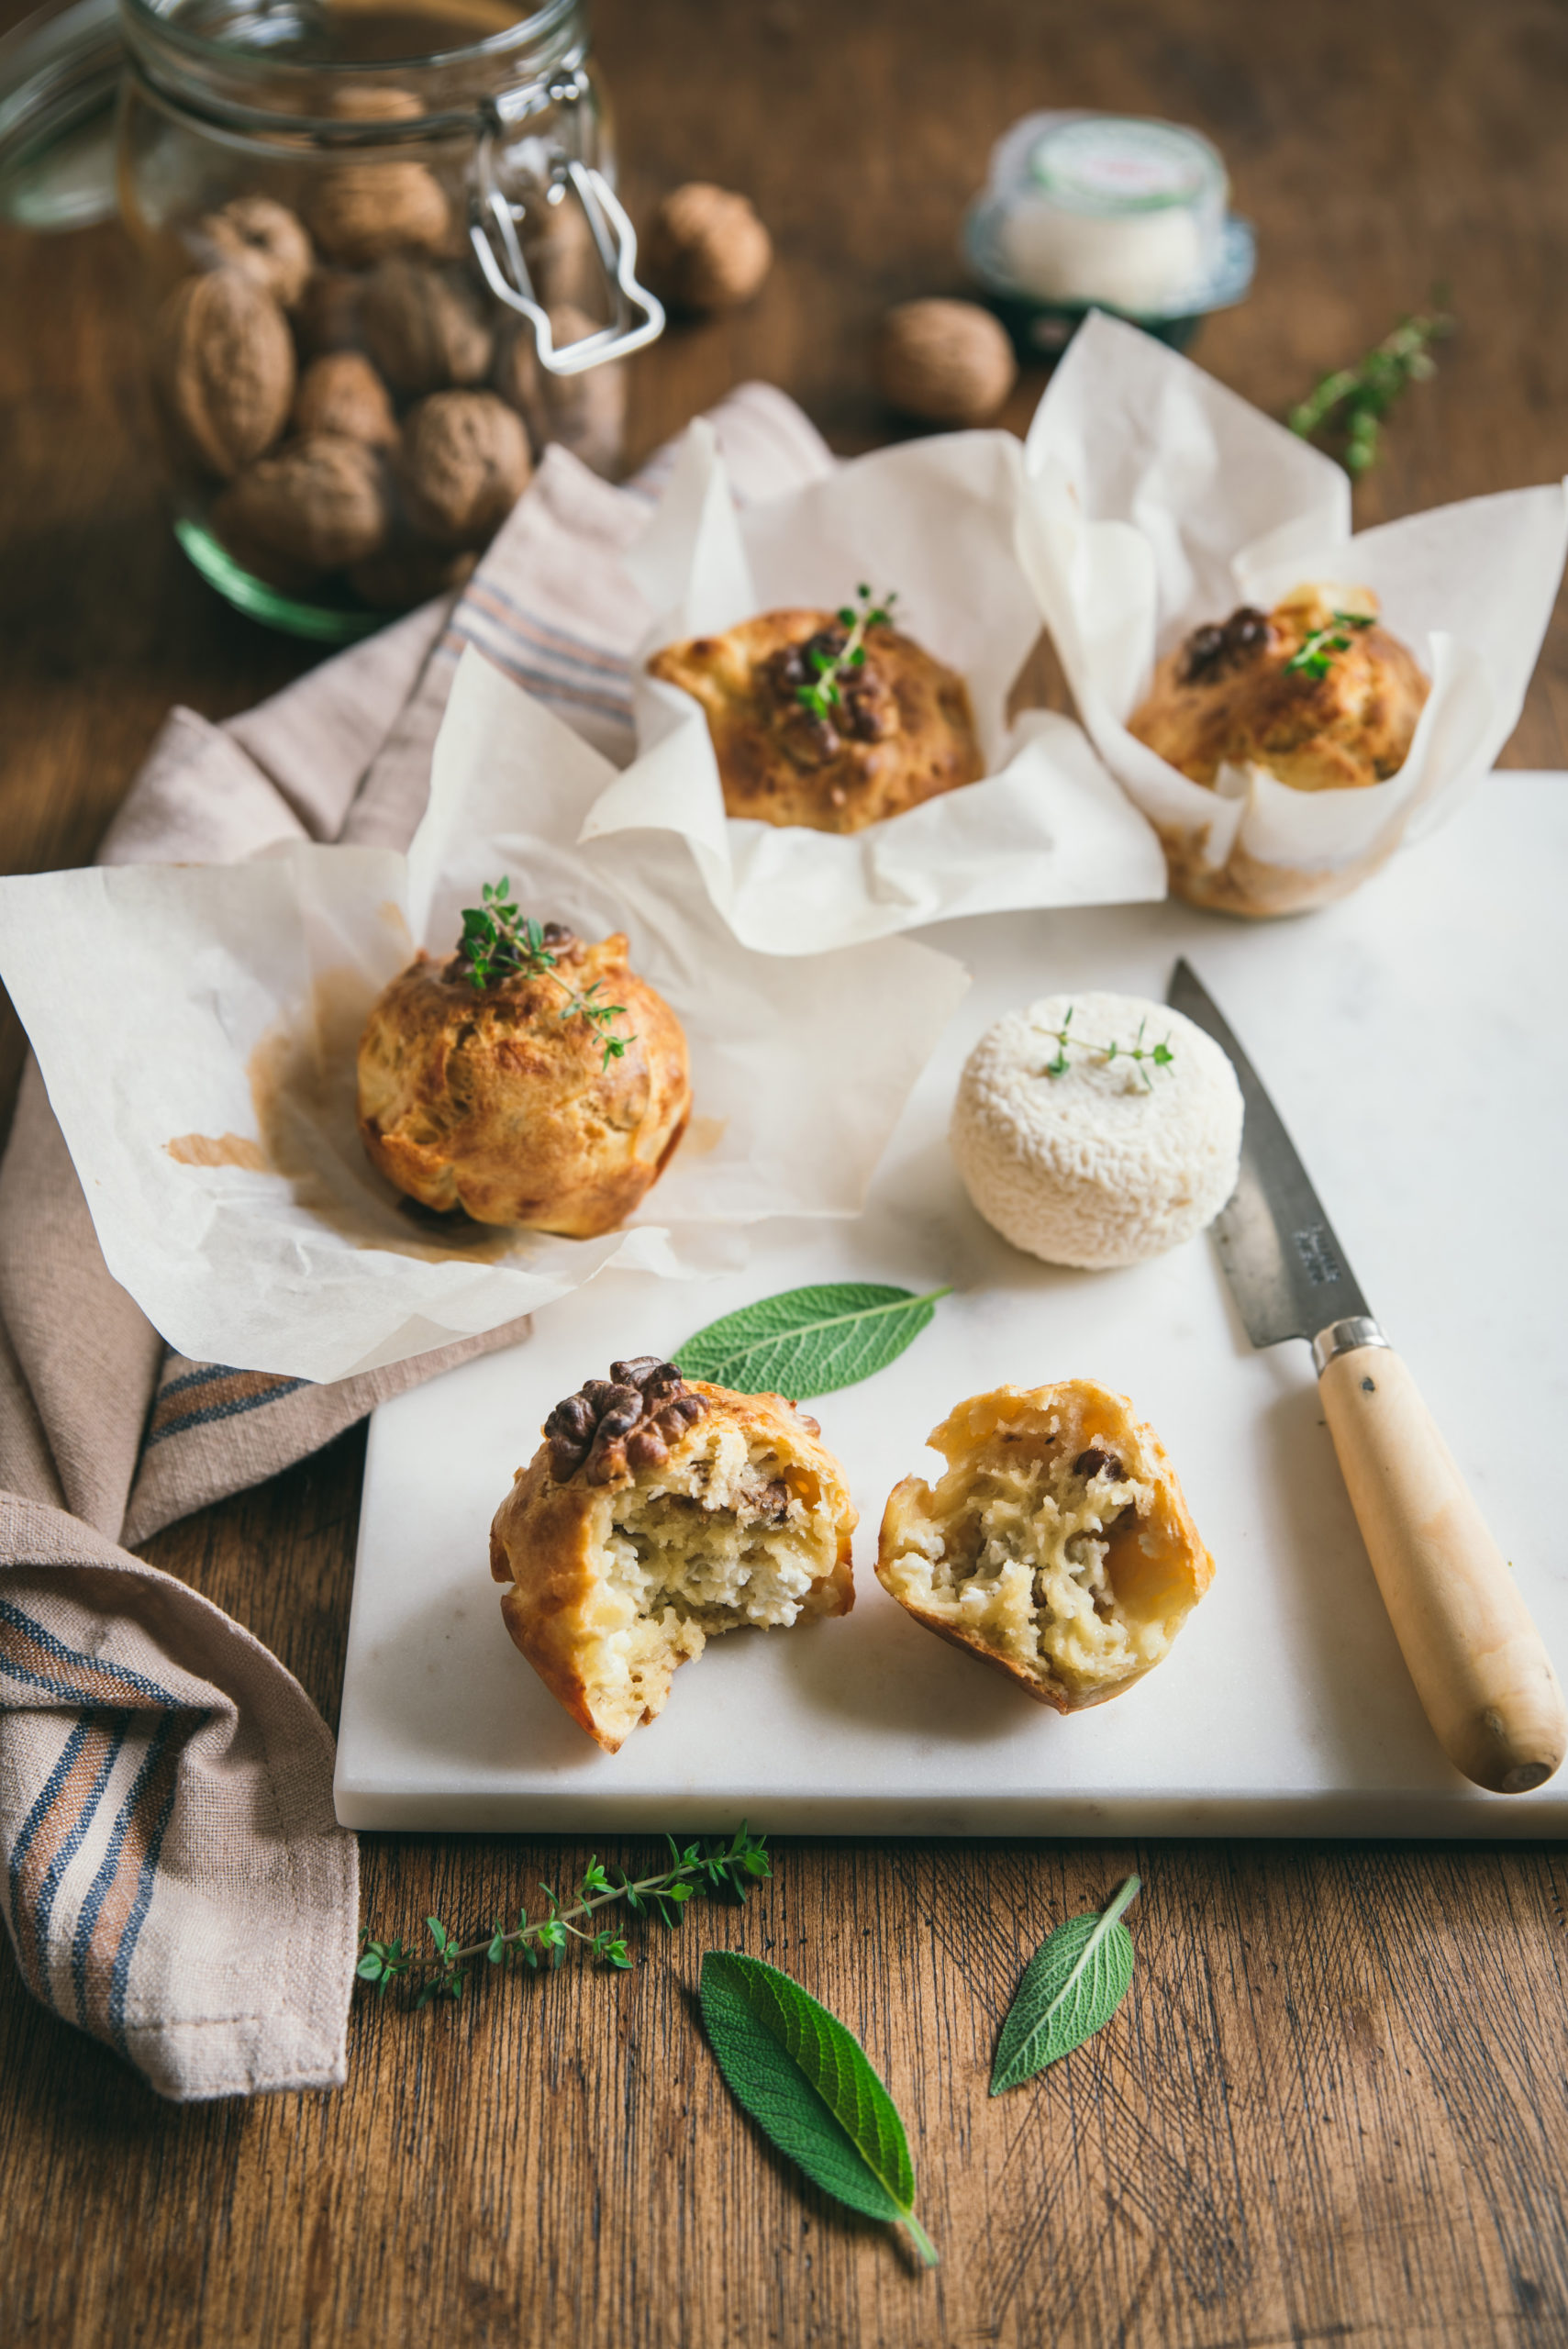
657,1514
901,732
1058,1547
552,1094
1314,690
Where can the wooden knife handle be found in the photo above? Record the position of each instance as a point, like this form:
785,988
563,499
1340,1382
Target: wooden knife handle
1481,1671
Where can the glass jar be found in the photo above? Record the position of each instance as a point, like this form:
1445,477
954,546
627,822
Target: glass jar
384,266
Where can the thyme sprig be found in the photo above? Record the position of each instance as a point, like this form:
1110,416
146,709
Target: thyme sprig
1353,401
1313,656
499,940
1157,1055
825,691
699,1869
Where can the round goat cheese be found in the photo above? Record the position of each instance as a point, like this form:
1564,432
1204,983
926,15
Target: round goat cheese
1085,1154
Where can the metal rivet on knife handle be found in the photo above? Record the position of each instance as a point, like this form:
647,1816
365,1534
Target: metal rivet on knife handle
1483,1677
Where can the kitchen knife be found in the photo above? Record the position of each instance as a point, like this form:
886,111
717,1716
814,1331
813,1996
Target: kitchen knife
1481,1671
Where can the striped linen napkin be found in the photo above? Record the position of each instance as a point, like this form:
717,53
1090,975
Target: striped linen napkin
175,1879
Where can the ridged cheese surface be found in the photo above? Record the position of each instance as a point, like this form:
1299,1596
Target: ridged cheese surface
1111,1160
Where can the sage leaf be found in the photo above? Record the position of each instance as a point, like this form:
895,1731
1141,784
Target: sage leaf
808,1341
806,2083
1072,1987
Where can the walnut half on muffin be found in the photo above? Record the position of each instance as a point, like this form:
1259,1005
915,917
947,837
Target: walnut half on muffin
829,720
1058,1546
657,1514
530,1078
1316,692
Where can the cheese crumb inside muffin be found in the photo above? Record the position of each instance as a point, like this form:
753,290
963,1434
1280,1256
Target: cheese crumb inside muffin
1082,1152
1314,692
658,1514
900,731
531,1078
1058,1547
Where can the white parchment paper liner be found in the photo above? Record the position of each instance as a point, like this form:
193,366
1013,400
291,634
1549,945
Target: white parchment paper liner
1160,500
152,996
935,521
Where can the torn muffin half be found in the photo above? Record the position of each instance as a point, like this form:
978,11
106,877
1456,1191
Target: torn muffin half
1058,1547
658,1513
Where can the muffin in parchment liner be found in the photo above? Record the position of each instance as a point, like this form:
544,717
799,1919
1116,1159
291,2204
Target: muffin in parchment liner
536,1119
1165,512
901,804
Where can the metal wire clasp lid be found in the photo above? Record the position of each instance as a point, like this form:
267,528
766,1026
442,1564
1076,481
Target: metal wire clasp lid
636,317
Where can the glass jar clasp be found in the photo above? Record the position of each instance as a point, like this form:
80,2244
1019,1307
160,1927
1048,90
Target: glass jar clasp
636,316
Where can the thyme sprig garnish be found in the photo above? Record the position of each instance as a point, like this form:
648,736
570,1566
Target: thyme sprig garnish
1353,402
707,1866
825,691
499,941
1313,656
1156,1055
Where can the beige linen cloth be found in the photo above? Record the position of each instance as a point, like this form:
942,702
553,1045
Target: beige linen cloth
175,1879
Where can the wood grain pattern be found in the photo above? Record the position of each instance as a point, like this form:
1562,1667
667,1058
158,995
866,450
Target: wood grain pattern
1334,2108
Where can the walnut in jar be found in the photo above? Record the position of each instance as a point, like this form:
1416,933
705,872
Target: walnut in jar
321,502
464,464
341,392
225,367
423,326
264,240
363,211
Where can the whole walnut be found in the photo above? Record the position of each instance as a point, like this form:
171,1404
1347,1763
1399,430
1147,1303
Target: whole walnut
321,502
946,363
328,316
707,250
225,365
264,240
585,412
341,392
464,465
363,211
424,327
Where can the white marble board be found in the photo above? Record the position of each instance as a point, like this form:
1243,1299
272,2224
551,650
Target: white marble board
1416,1040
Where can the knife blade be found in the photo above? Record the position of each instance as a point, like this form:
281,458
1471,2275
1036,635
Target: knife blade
1484,1679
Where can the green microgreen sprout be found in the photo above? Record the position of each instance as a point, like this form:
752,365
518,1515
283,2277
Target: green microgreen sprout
1154,1056
499,941
1353,401
825,691
1313,656
695,1871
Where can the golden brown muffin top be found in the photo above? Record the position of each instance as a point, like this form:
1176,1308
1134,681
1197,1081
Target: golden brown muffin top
1314,690
901,732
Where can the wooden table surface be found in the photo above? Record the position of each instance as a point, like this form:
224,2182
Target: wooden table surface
1334,2108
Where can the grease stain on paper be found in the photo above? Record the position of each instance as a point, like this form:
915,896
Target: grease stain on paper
303,1084
219,1149
702,1137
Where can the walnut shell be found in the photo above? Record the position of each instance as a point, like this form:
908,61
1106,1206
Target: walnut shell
364,211
464,466
327,315
341,392
264,240
946,363
225,366
321,502
705,248
424,327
